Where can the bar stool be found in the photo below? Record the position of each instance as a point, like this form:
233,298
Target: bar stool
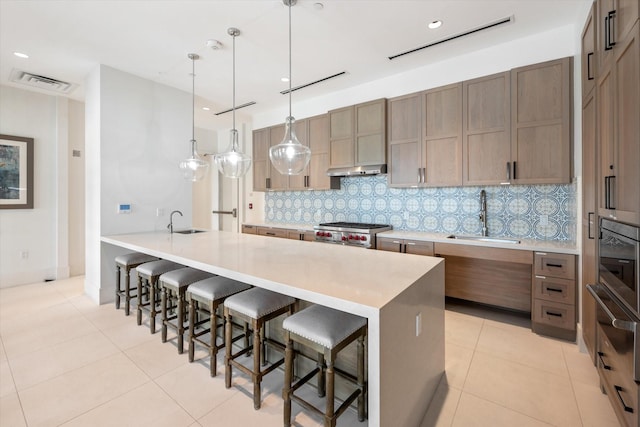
128,262
148,274
205,296
256,306
328,331
173,285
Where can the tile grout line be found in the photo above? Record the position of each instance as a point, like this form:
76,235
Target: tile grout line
573,389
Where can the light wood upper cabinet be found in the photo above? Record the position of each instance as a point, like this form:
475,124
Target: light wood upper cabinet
318,137
589,62
341,137
358,134
299,182
261,163
425,138
615,19
278,181
442,149
618,99
486,138
405,140
541,123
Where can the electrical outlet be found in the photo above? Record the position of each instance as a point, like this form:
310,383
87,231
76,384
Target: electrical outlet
418,324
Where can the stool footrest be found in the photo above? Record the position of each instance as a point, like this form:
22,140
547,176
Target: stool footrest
302,381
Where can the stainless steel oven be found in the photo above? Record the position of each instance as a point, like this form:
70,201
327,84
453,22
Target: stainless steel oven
618,318
619,248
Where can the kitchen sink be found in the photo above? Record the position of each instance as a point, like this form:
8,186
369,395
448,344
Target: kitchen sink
189,231
485,239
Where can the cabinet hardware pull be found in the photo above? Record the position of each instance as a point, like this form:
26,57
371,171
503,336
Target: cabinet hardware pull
424,175
554,290
623,325
508,171
514,170
541,277
410,243
554,265
268,183
551,313
606,33
624,405
541,253
612,192
611,15
623,261
606,192
604,365
589,56
270,234
589,222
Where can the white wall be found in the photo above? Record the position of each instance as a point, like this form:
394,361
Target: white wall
137,133
42,232
76,175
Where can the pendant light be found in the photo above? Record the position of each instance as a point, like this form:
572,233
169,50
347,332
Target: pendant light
290,157
193,168
233,163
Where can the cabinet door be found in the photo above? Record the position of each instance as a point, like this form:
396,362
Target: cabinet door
299,182
486,130
603,28
604,100
341,136
418,247
405,133
278,181
249,229
261,163
627,128
318,137
588,53
541,123
442,148
370,133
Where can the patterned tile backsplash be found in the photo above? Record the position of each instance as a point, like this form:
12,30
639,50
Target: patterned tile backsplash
542,212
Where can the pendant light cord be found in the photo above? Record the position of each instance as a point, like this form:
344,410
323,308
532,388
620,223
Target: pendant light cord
234,81
289,120
193,102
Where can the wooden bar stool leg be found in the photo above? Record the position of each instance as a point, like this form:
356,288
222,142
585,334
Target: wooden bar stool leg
180,320
322,387
139,318
127,291
193,307
118,290
213,333
288,378
163,310
153,299
257,360
227,344
329,420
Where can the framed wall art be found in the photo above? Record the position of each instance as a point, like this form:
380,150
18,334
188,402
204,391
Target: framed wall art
16,172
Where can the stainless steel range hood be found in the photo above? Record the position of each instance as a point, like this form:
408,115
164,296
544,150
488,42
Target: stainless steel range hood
358,170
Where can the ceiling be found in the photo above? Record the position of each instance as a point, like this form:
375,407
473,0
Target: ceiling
66,40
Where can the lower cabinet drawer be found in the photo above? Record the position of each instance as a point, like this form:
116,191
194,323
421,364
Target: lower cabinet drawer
553,289
273,232
554,314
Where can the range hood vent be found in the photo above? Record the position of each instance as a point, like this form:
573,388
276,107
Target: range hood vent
41,82
358,170
457,36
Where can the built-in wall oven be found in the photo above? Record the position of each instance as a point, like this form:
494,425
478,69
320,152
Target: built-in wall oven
618,317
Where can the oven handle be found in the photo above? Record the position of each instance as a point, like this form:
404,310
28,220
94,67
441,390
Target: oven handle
624,325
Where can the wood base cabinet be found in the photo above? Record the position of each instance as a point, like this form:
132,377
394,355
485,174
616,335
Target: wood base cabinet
554,295
406,246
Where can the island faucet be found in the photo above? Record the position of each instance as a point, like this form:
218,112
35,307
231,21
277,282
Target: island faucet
170,226
483,212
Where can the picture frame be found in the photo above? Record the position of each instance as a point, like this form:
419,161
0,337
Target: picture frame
16,172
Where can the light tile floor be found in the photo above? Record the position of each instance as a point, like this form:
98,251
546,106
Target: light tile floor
65,361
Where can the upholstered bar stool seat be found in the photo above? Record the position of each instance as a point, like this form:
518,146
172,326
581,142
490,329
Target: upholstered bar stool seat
174,284
256,306
128,262
206,296
148,275
329,331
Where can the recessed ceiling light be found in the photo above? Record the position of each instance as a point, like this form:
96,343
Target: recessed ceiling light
284,79
435,24
21,55
206,108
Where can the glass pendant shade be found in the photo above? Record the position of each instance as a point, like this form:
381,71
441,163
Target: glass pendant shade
290,157
193,168
233,163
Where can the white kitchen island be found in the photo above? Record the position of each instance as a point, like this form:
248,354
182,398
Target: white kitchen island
401,295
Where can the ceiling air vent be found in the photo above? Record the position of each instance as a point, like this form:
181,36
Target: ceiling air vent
324,79
41,82
248,104
456,36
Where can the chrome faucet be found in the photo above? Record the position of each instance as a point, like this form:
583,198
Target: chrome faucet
483,211
170,226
